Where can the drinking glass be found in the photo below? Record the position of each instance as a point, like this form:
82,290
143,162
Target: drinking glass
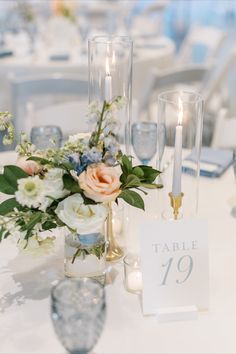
233,210
45,137
132,273
144,140
78,312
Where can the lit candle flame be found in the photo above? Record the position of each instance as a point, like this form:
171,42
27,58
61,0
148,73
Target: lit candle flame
107,67
180,114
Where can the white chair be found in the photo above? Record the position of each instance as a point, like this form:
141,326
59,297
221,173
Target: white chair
51,88
225,131
200,45
189,78
71,117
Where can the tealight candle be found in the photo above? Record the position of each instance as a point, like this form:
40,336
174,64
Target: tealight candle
134,281
133,275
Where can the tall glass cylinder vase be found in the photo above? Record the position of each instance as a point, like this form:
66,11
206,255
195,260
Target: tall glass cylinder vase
180,120
110,76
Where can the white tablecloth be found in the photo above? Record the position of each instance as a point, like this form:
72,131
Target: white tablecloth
25,287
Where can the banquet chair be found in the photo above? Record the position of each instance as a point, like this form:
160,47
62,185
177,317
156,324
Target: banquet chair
188,78
225,131
57,114
201,45
49,88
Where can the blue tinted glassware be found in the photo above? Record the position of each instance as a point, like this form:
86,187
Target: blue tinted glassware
45,137
144,140
78,310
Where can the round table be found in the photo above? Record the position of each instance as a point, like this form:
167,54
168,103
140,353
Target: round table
25,288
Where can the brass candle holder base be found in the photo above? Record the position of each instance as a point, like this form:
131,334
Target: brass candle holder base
114,251
176,203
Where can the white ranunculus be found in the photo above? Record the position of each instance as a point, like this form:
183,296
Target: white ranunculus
30,192
80,217
53,187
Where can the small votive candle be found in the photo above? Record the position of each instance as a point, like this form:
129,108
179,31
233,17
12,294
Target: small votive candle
132,274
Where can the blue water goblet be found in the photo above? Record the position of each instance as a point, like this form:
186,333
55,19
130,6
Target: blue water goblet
144,140
46,136
78,310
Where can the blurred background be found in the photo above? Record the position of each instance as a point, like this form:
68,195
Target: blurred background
189,44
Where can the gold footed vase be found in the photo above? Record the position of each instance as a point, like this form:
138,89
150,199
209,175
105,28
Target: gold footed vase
114,252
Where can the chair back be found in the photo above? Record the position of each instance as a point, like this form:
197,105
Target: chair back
53,87
225,131
201,45
169,79
71,117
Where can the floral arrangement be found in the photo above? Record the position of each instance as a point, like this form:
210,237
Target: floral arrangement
63,8
68,186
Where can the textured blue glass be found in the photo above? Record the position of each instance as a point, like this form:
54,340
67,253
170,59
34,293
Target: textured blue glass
78,310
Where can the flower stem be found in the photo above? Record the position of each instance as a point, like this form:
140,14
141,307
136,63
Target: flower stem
100,123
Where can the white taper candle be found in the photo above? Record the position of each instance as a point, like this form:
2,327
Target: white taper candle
177,169
108,84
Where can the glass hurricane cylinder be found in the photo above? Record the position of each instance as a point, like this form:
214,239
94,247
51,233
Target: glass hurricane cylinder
180,121
110,75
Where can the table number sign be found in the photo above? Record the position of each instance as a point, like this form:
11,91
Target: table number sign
174,259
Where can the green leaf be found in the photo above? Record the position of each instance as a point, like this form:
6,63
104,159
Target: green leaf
138,172
151,185
88,201
150,174
70,184
12,173
8,205
48,225
5,187
40,160
66,166
8,181
132,181
132,198
34,220
3,233
126,165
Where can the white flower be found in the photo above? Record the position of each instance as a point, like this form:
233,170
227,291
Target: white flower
30,192
73,139
53,187
80,217
36,246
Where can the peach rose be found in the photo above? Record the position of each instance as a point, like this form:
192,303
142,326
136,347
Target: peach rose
30,167
100,183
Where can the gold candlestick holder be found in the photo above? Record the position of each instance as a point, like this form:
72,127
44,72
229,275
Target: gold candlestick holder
114,252
176,203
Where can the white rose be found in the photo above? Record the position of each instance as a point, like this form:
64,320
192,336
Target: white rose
80,217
